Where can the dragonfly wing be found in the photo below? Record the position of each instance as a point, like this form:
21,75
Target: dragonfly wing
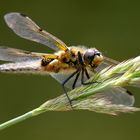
61,77
31,66
16,55
117,96
26,28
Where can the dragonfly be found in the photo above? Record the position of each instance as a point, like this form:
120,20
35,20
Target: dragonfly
71,66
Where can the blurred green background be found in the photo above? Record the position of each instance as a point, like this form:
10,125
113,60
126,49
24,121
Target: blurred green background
112,26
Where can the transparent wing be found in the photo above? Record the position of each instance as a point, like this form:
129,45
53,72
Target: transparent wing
16,55
117,96
61,77
30,66
26,28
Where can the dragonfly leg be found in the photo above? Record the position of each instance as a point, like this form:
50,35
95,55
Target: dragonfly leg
63,85
84,71
74,83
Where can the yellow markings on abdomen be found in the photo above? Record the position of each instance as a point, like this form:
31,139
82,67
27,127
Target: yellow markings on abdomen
55,66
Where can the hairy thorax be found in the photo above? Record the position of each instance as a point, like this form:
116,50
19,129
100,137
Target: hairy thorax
66,61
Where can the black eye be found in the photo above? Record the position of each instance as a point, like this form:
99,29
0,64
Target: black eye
90,54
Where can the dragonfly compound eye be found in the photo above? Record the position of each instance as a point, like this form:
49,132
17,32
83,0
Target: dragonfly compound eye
93,57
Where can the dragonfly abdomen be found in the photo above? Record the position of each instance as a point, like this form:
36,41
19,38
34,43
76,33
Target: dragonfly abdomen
55,66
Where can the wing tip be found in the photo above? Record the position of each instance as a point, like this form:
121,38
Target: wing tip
10,18
11,14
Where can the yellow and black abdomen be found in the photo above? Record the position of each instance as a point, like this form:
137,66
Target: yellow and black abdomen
55,66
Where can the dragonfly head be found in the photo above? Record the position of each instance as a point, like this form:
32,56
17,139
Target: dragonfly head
92,57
